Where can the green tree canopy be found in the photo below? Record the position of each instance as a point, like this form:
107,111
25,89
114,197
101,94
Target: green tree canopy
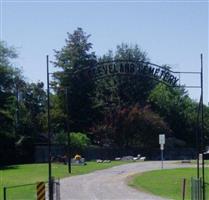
74,56
130,127
7,74
124,90
179,111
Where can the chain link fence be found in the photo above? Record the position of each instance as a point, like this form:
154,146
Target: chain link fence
206,190
196,189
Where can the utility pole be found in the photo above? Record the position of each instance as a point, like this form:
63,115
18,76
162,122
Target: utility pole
68,131
202,130
50,182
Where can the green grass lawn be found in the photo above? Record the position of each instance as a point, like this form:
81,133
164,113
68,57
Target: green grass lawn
167,183
32,173
206,162
195,162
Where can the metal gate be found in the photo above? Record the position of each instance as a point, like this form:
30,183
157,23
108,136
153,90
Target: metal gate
29,191
196,189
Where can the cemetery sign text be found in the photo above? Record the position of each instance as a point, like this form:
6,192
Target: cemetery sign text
132,68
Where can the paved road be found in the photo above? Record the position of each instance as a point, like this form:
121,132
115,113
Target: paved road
110,184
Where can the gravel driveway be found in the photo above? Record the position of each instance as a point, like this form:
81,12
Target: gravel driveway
110,184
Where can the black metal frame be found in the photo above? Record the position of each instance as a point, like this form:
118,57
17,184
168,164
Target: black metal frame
50,178
68,131
199,134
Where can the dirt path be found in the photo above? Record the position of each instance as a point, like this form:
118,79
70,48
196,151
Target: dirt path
110,184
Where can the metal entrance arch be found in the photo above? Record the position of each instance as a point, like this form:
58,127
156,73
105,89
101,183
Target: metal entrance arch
130,68
135,68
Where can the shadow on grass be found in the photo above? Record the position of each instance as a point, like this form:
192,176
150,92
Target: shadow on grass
9,167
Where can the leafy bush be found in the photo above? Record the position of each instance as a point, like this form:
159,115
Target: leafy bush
78,140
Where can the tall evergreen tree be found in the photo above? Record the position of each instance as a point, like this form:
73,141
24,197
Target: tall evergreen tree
74,57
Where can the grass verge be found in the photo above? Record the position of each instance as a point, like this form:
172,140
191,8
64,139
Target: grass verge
167,183
32,173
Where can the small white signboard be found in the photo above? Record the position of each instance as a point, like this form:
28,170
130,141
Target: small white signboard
162,142
162,139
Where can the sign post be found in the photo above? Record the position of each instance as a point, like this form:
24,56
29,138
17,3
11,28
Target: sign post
161,142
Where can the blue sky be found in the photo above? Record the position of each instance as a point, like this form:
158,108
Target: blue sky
171,32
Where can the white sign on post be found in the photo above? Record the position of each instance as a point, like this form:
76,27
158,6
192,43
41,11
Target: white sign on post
161,139
162,142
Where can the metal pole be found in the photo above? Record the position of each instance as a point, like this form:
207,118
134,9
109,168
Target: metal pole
161,158
5,193
198,139
17,110
183,189
68,132
202,130
49,134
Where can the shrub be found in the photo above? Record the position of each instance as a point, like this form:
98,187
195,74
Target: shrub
78,140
